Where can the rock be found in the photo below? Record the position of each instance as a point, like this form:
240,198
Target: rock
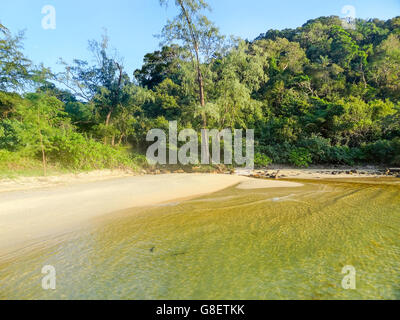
276,176
179,171
157,172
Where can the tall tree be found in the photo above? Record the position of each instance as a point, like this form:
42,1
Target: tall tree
14,66
191,29
103,84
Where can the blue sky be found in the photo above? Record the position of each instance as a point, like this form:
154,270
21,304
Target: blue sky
131,24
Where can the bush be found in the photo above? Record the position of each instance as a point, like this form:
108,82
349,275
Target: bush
300,157
319,148
10,134
15,161
277,153
77,152
344,155
261,160
383,151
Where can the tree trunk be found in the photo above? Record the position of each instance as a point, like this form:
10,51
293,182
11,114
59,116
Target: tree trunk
205,145
43,154
44,162
121,137
108,118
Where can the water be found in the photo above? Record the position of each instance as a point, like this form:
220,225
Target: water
289,243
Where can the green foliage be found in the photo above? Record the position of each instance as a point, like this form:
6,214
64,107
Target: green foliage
300,157
261,160
78,153
383,152
317,94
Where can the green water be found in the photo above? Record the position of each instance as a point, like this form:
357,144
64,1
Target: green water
287,243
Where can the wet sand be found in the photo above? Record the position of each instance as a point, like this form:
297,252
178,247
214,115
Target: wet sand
31,214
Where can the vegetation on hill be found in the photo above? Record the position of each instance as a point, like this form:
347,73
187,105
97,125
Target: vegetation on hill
317,94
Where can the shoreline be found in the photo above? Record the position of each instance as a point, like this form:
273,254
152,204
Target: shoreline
272,172
282,172
31,214
33,208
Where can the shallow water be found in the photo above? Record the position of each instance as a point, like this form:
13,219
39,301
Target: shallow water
289,243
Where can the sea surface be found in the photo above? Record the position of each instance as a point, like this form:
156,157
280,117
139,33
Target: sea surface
281,243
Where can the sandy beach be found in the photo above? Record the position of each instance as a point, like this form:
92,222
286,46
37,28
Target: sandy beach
30,214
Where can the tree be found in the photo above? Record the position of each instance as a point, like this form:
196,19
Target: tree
196,34
158,66
104,84
237,75
14,66
43,118
384,70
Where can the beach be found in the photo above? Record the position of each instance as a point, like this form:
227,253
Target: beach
36,211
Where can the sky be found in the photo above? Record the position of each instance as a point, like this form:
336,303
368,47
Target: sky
132,24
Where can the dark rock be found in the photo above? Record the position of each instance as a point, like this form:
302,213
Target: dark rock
276,175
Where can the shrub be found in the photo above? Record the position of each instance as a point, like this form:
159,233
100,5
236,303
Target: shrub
344,155
277,153
77,152
319,148
300,157
10,134
383,151
17,161
261,160
396,147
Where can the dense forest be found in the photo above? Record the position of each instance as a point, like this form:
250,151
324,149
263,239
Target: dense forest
318,94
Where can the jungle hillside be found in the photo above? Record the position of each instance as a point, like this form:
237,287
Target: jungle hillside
318,94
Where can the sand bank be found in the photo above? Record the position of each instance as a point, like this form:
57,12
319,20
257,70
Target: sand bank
27,215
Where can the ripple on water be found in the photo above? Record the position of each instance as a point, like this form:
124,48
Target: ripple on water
235,244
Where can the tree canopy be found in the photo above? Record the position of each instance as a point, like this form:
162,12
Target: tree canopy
320,93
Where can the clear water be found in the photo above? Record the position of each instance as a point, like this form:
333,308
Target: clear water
287,243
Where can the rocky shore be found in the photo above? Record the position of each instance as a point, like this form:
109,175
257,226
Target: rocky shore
281,172
317,173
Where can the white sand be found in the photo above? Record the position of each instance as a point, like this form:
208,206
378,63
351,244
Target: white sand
28,215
